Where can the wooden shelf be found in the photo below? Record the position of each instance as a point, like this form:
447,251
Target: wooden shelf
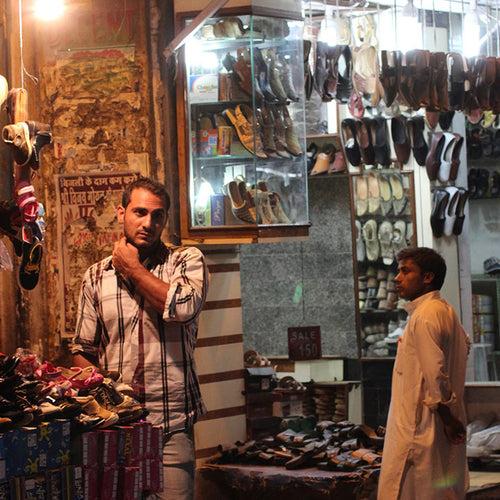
321,136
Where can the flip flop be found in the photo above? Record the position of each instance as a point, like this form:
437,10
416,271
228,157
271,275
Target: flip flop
29,269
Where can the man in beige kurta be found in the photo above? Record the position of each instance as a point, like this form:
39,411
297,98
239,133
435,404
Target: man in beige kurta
424,452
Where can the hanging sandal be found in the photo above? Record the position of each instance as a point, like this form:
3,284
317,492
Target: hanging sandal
29,269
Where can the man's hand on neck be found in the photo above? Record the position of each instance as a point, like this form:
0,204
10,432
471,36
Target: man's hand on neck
126,259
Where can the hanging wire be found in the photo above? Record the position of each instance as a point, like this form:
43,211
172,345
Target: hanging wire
394,20
434,25
450,28
24,71
496,17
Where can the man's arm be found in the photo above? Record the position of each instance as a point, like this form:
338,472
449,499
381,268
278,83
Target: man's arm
126,262
453,428
181,299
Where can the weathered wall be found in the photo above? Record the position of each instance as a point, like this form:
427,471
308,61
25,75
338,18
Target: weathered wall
102,96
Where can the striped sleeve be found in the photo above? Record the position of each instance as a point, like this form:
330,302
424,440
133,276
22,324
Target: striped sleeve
188,286
87,337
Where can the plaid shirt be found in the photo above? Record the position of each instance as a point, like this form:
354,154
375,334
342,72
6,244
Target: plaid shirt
153,352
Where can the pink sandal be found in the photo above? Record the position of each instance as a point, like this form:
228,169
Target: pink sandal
26,201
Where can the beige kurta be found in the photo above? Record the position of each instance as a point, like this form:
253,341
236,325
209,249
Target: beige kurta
418,460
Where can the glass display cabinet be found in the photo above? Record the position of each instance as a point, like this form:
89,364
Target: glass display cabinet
241,130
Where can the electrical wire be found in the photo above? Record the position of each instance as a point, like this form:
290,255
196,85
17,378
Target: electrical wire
24,71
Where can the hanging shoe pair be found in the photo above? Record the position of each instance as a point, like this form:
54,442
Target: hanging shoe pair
448,211
27,139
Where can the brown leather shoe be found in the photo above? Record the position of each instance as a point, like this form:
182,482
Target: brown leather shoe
456,77
433,160
242,120
400,139
390,76
363,138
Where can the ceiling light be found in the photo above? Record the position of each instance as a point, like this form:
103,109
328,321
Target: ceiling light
49,10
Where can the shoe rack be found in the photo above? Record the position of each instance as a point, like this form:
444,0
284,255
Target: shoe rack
241,129
383,223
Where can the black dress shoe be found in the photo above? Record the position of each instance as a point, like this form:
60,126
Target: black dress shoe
416,127
400,139
445,119
459,212
379,138
439,204
351,146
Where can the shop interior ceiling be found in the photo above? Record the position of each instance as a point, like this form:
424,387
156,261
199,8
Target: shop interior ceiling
317,8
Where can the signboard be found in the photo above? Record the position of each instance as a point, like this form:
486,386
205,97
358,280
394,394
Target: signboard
304,342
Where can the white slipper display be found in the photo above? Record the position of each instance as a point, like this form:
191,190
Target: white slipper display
372,244
385,237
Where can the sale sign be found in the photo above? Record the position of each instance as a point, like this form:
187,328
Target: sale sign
304,342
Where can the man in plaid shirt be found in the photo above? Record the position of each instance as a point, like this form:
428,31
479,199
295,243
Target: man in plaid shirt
138,315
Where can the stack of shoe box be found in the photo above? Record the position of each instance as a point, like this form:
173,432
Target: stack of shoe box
46,462
121,463
483,320
259,399
331,401
35,463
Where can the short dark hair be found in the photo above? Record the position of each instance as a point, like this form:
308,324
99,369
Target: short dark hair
150,185
428,260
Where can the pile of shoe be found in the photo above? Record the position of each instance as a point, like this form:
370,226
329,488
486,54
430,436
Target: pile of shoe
32,392
448,211
381,338
340,446
330,402
22,218
325,160
483,436
377,290
257,205
483,184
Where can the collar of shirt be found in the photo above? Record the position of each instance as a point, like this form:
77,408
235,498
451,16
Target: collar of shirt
411,306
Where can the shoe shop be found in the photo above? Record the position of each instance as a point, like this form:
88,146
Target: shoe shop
250,249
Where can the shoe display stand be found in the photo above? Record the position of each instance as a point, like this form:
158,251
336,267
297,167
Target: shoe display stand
241,129
383,223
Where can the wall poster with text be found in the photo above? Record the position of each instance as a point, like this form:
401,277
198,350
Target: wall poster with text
87,229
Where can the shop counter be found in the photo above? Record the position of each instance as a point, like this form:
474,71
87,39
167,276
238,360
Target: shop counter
260,482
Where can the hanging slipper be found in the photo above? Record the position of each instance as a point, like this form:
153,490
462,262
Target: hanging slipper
29,270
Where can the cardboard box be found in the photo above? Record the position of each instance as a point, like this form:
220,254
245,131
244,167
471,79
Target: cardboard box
157,441
56,485
90,483
54,443
203,88
138,440
128,483
108,447
5,493
108,483
84,449
147,438
207,142
156,475
34,487
217,212
127,455
77,487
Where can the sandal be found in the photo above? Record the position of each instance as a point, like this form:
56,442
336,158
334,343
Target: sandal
29,269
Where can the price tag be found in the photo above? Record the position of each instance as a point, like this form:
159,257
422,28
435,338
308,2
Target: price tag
304,342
